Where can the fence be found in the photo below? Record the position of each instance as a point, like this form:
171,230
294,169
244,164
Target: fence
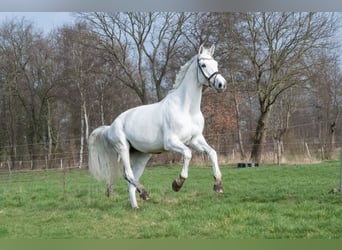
301,152
228,153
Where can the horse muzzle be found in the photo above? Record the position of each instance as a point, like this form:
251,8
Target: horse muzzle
219,84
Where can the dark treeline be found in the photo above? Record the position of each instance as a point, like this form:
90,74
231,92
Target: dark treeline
284,92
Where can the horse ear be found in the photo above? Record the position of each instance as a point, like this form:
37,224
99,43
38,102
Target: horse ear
200,49
212,49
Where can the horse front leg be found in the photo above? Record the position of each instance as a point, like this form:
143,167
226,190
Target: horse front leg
178,183
200,144
174,144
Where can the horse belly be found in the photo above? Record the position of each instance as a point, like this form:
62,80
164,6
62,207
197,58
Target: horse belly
144,133
147,142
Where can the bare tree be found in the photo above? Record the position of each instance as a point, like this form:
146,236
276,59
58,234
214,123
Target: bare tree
141,44
278,47
28,80
282,111
325,89
81,66
237,103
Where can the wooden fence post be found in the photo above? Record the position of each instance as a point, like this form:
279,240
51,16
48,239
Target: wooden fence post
9,166
308,151
341,167
46,163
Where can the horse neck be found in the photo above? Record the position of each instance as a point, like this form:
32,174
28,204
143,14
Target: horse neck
190,91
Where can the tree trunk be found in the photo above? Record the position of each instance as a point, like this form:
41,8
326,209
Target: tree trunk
260,137
84,130
242,149
12,132
330,144
279,150
86,120
237,112
101,106
81,139
49,130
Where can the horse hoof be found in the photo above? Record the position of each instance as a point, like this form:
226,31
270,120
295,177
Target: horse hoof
109,192
175,186
144,195
218,188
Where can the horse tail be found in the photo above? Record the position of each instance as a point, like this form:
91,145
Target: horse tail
103,159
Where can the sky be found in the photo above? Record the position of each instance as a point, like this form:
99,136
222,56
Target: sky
174,5
47,21
44,21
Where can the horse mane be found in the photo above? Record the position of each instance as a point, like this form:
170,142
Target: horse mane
181,73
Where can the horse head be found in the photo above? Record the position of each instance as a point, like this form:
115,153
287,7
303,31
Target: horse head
209,68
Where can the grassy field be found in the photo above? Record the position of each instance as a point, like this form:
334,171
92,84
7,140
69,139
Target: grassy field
265,202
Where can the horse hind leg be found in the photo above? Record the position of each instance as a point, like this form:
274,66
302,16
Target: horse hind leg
109,190
139,161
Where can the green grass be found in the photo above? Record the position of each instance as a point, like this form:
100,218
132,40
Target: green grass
266,202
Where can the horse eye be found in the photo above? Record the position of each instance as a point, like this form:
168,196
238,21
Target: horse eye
203,65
